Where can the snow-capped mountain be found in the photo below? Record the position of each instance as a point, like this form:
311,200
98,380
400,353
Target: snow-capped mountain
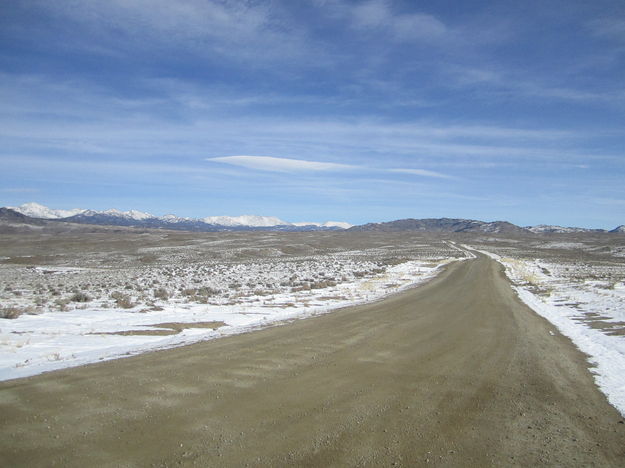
620,228
246,220
170,221
130,215
328,224
35,210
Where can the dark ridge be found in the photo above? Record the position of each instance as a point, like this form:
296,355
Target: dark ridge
442,225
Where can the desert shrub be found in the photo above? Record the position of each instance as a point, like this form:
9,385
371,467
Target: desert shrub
40,301
62,304
207,291
122,300
11,312
161,293
80,297
199,299
322,284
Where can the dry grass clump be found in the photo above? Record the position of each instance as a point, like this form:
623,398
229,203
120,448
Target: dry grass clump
161,293
80,297
207,291
201,295
11,312
122,300
61,303
323,284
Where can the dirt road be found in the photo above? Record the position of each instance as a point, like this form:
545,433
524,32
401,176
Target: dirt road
455,373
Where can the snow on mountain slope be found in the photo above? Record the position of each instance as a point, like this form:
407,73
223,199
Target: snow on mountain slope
338,224
131,214
172,218
306,223
35,210
246,220
327,224
542,228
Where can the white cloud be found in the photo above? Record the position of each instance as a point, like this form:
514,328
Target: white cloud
421,172
377,15
269,163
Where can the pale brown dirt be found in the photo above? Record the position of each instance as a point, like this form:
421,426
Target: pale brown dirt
455,373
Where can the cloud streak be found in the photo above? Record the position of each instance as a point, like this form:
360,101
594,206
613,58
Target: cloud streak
421,172
273,164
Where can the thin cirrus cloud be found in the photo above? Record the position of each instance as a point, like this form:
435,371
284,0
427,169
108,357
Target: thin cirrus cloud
378,16
274,164
421,172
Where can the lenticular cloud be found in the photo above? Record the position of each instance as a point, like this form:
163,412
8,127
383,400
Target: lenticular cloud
270,163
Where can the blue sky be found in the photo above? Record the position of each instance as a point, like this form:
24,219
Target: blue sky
345,110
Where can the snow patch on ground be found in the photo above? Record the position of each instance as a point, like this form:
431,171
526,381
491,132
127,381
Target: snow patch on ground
32,344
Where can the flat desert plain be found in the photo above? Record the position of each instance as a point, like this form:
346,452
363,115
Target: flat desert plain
440,362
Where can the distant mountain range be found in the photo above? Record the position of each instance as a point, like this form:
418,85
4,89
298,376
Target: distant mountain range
141,219
34,213
441,225
471,225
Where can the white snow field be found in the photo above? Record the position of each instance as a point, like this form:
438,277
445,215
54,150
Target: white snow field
137,309
584,306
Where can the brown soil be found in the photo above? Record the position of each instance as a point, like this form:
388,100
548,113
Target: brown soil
455,373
